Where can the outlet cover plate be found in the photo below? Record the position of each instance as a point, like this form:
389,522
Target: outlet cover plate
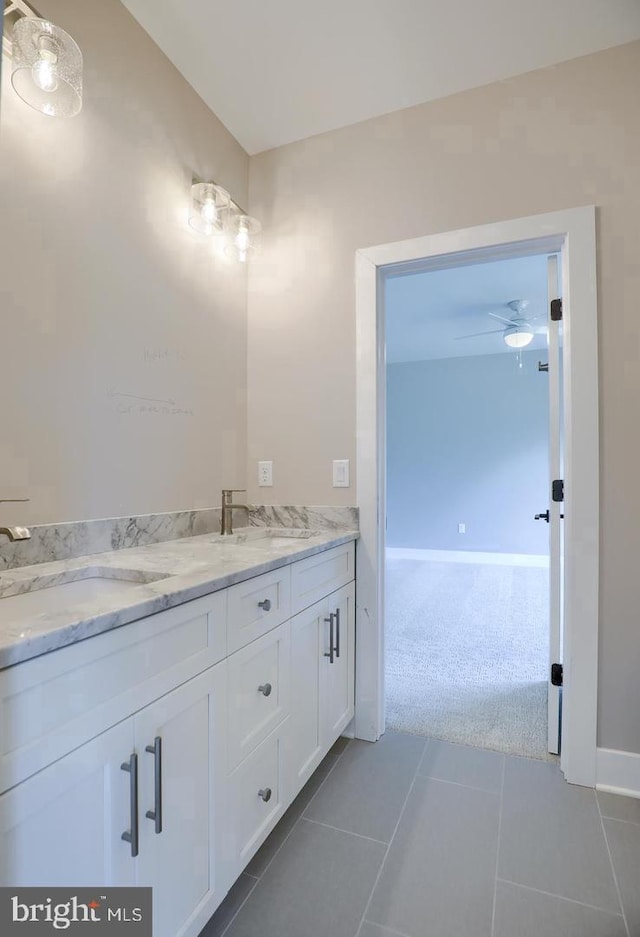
265,474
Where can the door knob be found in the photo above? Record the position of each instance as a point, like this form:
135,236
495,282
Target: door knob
542,517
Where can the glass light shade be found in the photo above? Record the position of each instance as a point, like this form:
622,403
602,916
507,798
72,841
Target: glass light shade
209,208
46,67
518,336
244,237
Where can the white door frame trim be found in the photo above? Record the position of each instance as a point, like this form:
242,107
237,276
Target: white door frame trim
573,233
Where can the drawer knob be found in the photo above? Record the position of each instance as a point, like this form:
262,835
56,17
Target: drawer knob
265,689
265,604
265,793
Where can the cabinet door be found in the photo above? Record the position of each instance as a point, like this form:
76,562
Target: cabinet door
337,685
63,826
180,741
309,641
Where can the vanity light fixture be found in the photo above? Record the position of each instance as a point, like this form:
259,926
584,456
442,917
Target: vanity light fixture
213,212
46,63
210,205
244,236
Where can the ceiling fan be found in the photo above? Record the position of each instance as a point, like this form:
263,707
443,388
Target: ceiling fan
518,331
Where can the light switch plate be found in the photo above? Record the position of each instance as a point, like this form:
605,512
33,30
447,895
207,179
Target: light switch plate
265,474
340,473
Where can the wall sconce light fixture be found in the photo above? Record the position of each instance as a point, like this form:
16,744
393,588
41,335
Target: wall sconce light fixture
244,236
210,206
46,63
212,212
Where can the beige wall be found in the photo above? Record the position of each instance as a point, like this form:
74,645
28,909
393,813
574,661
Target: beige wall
106,291
556,138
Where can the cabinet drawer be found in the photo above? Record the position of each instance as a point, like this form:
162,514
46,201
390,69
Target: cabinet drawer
318,575
54,703
259,689
252,816
257,606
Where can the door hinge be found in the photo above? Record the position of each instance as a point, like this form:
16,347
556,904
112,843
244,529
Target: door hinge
556,674
556,310
557,489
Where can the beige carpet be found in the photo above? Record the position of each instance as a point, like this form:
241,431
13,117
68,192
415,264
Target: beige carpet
466,651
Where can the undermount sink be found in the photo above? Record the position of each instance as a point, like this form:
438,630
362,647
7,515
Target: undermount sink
22,599
267,537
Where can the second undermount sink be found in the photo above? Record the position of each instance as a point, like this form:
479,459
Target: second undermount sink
268,537
21,599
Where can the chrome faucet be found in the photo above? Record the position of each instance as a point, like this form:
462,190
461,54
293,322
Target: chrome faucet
226,519
15,533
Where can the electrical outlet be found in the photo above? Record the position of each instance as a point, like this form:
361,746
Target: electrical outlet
340,473
265,474
462,528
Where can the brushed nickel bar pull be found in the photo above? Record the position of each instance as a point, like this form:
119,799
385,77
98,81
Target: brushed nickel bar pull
156,813
337,632
331,648
132,836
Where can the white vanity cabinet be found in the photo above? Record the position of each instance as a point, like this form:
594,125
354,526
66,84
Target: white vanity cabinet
164,752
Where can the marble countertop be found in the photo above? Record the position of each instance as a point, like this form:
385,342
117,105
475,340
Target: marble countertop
191,567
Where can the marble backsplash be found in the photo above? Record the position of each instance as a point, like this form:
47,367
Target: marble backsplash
309,517
50,542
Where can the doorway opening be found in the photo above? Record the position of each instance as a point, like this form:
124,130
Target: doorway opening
571,234
471,441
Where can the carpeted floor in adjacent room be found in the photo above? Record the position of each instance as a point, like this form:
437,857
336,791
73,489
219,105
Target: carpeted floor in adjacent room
466,651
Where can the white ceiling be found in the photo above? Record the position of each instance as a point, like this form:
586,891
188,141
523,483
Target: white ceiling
275,71
426,312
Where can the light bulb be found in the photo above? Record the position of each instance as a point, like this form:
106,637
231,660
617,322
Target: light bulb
242,239
242,242
45,73
209,211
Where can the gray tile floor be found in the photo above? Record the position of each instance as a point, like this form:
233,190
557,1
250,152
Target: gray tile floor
421,838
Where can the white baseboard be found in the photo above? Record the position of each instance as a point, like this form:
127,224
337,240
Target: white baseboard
618,772
468,556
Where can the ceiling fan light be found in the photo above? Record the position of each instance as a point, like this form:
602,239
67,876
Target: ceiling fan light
518,336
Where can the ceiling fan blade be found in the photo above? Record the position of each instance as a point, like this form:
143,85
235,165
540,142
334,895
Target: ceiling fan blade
458,338
494,315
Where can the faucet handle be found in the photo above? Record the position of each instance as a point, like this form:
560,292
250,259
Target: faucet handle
14,500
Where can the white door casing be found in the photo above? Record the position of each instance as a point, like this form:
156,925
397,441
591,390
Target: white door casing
572,232
555,510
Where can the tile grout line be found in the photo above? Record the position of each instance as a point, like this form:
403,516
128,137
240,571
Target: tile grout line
393,836
338,829
613,868
469,787
269,863
550,894
620,820
495,884
387,930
